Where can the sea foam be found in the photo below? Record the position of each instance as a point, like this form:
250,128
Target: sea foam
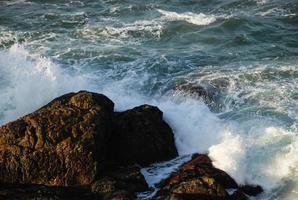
193,18
28,83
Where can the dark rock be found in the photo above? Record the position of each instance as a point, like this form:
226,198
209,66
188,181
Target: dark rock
130,176
142,136
197,179
194,90
60,144
238,195
69,140
119,195
251,190
77,140
199,166
77,147
42,192
209,94
123,178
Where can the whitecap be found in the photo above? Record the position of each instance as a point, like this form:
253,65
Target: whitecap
193,18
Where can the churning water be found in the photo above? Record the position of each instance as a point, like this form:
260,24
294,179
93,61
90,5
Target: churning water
244,51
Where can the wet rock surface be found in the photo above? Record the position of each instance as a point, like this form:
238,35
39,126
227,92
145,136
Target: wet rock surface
43,192
251,190
209,94
72,140
62,143
119,178
142,136
77,147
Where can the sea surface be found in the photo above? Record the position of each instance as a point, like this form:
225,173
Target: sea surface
243,52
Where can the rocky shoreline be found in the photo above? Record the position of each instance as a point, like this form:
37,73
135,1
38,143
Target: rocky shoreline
77,147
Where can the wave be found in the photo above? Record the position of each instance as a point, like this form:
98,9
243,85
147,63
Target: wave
251,151
153,28
28,83
266,156
277,12
193,18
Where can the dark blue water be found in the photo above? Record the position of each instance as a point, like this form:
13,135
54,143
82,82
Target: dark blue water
244,53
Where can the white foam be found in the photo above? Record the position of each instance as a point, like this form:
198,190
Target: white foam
13,2
196,128
275,157
229,155
277,12
123,31
193,18
267,156
159,171
29,83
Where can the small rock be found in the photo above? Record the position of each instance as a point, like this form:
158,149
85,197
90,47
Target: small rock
119,195
238,195
251,190
121,178
196,179
208,94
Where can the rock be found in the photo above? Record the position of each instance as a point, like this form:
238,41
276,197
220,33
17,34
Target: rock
194,90
209,94
42,192
142,136
128,178
251,190
200,165
77,147
62,143
78,140
197,179
119,195
238,195
116,184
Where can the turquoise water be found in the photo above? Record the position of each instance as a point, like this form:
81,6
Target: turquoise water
244,53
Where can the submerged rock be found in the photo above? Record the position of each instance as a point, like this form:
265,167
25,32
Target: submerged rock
210,95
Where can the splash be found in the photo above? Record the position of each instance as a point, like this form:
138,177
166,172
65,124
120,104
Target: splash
28,83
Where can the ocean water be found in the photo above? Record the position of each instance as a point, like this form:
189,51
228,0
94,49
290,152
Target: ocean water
243,51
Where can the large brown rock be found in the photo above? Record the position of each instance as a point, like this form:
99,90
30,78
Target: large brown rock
60,144
70,141
142,136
